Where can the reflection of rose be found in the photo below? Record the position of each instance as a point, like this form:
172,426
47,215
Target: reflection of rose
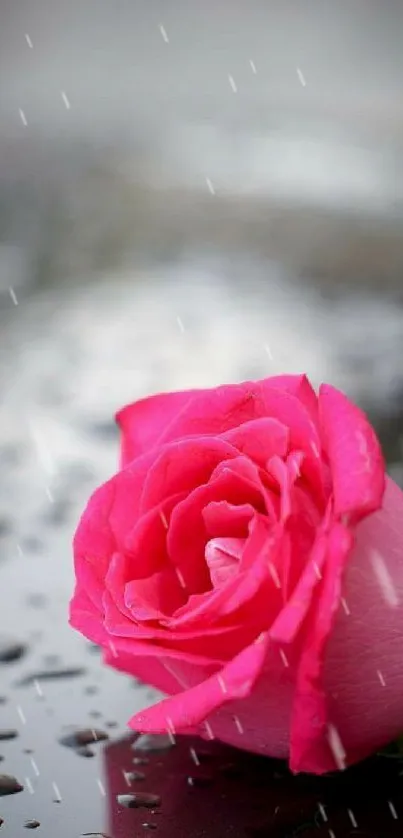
236,563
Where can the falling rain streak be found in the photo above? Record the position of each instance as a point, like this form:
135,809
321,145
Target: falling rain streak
384,579
336,747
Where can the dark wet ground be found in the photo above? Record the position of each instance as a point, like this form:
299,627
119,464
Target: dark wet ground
75,771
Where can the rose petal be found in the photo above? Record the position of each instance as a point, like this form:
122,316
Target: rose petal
121,644
363,674
299,386
143,422
192,706
222,518
259,439
146,545
285,474
224,408
252,484
85,618
187,534
94,541
310,750
218,640
217,645
354,453
291,617
181,466
156,597
106,523
237,595
222,558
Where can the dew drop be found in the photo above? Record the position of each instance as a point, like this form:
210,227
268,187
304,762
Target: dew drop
9,785
139,800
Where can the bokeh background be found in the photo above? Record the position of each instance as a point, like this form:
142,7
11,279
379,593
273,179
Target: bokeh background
190,193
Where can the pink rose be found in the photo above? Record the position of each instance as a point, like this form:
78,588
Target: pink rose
247,561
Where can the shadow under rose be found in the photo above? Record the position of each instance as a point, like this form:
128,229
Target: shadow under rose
197,789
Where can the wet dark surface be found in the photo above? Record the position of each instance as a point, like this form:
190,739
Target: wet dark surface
191,788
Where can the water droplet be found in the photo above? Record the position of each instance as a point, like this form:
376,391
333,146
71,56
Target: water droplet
8,734
80,738
91,689
36,600
51,675
152,742
31,824
85,752
11,649
134,776
139,800
9,785
199,781
102,834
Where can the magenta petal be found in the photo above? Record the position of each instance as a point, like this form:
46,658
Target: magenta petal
355,456
363,673
94,542
291,617
254,580
260,439
299,386
285,474
130,646
110,515
227,519
85,618
181,466
146,543
143,422
187,534
156,597
149,670
222,558
192,706
309,742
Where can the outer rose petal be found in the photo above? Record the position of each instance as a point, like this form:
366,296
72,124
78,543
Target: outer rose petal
142,423
259,439
182,466
354,453
214,412
363,673
192,706
85,618
299,386
309,745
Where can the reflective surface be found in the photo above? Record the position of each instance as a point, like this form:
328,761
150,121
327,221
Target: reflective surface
124,786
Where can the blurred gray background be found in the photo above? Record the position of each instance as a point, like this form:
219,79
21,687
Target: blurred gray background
191,193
